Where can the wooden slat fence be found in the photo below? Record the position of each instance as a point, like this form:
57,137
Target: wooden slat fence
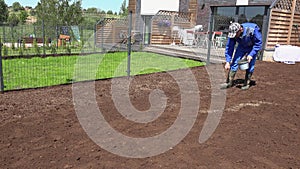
111,31
284,24
164,22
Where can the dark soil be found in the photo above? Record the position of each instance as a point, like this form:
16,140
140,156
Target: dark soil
260,127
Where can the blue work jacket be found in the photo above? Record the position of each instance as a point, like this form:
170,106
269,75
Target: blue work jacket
250,42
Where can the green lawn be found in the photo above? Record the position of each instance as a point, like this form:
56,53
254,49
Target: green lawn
39,72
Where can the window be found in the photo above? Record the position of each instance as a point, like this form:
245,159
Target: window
251,14
224,15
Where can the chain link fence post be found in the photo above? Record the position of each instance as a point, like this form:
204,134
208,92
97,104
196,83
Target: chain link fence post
210,31
4,33
43,36
129,43
1,70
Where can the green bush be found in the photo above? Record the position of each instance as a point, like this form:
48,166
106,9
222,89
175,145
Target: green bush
21,51
68,49
53,48
5,50
13,46
36,48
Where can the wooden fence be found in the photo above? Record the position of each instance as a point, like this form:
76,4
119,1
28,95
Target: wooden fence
111,31
163,24
114,31
284,24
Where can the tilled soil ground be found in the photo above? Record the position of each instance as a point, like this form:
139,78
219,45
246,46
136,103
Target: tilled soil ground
259,128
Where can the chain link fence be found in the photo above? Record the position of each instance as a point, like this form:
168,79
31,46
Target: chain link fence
27,40
38,56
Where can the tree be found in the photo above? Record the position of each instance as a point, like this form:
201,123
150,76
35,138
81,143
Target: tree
4,11
16,6
123,9
47,10
57,16
23,16
92,10
109,12
32,12
13,19
59,12
72,14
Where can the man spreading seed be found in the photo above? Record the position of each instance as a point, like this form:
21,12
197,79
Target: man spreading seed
249,39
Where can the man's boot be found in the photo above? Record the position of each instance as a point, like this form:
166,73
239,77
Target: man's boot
229,81
247,81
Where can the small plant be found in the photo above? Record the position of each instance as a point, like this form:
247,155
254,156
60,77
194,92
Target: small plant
81,45
68,49
36,48
141,46
13,46
5,50
21,51
53,48
23,44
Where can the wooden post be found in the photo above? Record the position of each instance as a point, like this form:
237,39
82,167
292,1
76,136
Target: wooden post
193,8
291,21
132,5
113,33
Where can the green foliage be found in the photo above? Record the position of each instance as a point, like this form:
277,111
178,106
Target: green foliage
5,50
13,19
53,48
17,6
13,47
110,12
91,10
124,9
20,51
32,12
59,12
4,12
82,43
90,19
68,49
23,44
36,48
23,16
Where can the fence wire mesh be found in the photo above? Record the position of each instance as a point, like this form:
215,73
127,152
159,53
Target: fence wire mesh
39,56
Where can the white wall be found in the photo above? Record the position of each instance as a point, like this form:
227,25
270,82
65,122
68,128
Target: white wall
151,7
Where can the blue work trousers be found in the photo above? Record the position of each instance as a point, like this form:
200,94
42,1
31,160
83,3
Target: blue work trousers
239,53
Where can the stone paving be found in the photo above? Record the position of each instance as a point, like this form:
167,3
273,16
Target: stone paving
191,52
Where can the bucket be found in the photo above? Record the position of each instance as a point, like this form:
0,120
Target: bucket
244,65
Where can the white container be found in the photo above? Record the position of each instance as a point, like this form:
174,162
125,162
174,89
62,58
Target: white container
244,65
